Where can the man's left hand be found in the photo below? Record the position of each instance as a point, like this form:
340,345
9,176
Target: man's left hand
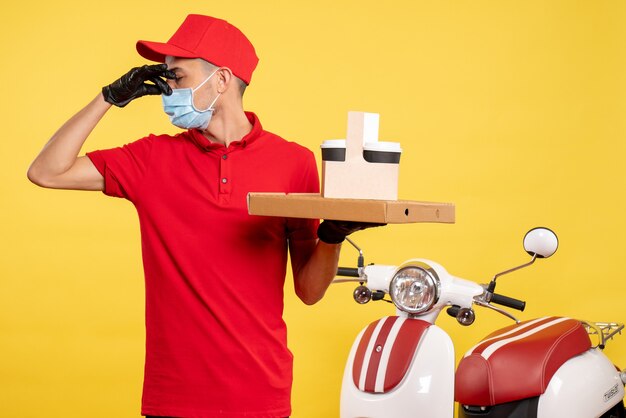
335,232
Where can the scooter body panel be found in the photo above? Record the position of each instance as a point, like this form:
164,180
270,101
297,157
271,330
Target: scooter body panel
585,386
426,390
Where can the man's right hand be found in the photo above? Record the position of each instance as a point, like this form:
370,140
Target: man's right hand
133,84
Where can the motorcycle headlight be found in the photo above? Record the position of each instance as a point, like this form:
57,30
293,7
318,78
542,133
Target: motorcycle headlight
415,288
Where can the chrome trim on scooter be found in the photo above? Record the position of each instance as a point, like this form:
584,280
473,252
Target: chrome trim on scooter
432,277
515,268
361,259
604,330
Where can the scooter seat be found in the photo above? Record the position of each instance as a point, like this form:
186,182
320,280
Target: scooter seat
518,362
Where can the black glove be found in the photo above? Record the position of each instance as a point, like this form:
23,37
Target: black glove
334,232
133,84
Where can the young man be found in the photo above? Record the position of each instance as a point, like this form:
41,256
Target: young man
215,337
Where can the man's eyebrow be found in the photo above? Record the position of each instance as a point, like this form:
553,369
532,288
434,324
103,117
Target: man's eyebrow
174,69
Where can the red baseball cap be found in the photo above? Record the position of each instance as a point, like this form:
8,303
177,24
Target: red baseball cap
214,40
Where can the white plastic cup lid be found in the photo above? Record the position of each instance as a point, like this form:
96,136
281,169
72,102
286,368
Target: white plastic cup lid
334,143
383,146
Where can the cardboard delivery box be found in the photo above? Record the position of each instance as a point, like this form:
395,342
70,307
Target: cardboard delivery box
359,183
314,206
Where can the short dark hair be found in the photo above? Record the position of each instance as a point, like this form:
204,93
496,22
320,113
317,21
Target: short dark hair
240,83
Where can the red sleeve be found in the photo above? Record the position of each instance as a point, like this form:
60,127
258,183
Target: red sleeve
306,182
123,168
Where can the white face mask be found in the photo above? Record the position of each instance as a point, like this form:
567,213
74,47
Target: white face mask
181,110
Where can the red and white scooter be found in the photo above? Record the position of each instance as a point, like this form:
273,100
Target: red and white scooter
404,365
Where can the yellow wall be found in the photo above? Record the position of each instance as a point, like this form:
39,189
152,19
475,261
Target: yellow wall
514,110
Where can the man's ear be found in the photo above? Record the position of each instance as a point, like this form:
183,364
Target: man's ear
225,79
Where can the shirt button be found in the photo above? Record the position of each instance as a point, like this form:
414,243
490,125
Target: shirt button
224,157
224,180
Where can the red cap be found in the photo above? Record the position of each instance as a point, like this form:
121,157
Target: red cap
214,40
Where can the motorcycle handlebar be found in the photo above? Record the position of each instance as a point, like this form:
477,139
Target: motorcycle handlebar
509,302
348,272
513,303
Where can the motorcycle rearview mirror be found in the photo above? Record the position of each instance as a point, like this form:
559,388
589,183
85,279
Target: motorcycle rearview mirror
353,272
539,242
361,259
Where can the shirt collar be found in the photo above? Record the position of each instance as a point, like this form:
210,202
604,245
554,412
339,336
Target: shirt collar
205,144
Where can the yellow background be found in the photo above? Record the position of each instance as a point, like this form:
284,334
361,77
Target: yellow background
513,110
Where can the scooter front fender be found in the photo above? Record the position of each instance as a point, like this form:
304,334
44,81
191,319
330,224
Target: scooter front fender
426,389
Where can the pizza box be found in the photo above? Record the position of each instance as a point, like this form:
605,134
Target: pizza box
314,206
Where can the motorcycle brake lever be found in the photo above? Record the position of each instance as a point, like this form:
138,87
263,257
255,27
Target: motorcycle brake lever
501,311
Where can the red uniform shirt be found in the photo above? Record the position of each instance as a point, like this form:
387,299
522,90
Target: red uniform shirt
216,343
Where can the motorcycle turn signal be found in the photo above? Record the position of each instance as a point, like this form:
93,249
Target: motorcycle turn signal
464,316
362,295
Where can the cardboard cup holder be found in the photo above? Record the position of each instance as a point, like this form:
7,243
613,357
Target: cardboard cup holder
360,167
